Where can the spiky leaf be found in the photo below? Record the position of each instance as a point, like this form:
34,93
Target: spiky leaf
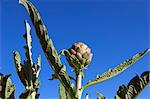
47,46
120,68
7,89
28,71
134,87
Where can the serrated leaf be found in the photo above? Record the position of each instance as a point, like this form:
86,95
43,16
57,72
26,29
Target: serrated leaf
28,94
47,45
28,39
28,71
134,87
7,89
114,72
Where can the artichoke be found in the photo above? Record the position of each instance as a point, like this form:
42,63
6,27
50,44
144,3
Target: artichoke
82,53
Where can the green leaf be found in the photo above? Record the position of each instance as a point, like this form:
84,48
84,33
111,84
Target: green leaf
47,46
134,87
28,47
62,92
29,94
114,72
71,58
19,68
38,67
28,71
7,89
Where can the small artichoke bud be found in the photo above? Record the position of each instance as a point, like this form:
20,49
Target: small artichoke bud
82,52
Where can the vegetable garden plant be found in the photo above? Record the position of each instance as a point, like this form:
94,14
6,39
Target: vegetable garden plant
78,56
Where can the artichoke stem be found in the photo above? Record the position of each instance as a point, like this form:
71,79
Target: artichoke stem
33,95
78,84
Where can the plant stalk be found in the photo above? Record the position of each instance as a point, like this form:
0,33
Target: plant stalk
33,95
78,84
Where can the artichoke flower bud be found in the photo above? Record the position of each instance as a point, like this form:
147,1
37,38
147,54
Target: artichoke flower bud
82,53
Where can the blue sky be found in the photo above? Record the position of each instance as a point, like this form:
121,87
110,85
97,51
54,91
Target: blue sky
115,30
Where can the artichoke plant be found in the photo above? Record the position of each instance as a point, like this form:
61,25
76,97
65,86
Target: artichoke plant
79,56
82,53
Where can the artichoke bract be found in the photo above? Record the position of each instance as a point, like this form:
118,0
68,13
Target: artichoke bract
82,53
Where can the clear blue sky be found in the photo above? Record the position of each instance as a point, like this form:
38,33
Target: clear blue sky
115,30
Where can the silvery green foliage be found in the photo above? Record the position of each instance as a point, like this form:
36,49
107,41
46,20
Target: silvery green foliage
28,71
48,47
7,89
60,69
117,70
62,92
134,87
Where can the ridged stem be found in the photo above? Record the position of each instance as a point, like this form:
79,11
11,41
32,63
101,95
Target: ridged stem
33,95
78,84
